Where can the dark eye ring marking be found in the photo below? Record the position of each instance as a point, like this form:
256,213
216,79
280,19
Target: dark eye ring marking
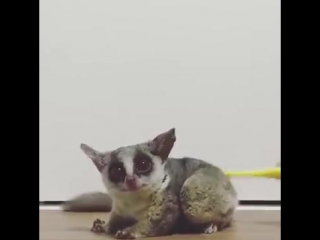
142,163
116,171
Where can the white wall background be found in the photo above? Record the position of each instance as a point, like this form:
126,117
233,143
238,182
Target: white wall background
119,72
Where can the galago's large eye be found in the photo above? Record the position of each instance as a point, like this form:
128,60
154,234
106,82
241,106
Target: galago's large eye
142,163
117,172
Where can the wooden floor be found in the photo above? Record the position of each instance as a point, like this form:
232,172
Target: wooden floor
249,225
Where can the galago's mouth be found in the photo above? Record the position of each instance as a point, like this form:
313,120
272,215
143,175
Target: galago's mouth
134,189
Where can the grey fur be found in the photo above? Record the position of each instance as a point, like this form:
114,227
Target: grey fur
183,195
89,202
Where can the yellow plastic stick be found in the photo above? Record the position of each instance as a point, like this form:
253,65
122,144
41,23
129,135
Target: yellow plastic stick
266,173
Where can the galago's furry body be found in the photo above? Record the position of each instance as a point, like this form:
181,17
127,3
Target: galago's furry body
151,195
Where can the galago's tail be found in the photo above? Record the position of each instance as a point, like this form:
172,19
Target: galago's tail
89,202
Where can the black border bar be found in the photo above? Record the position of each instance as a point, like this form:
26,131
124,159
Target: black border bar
241,202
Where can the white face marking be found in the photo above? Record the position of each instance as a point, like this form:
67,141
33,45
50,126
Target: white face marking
165,183
135,203
157,174
126,156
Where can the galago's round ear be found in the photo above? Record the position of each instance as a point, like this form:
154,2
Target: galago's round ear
99,159
89,151
162,144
